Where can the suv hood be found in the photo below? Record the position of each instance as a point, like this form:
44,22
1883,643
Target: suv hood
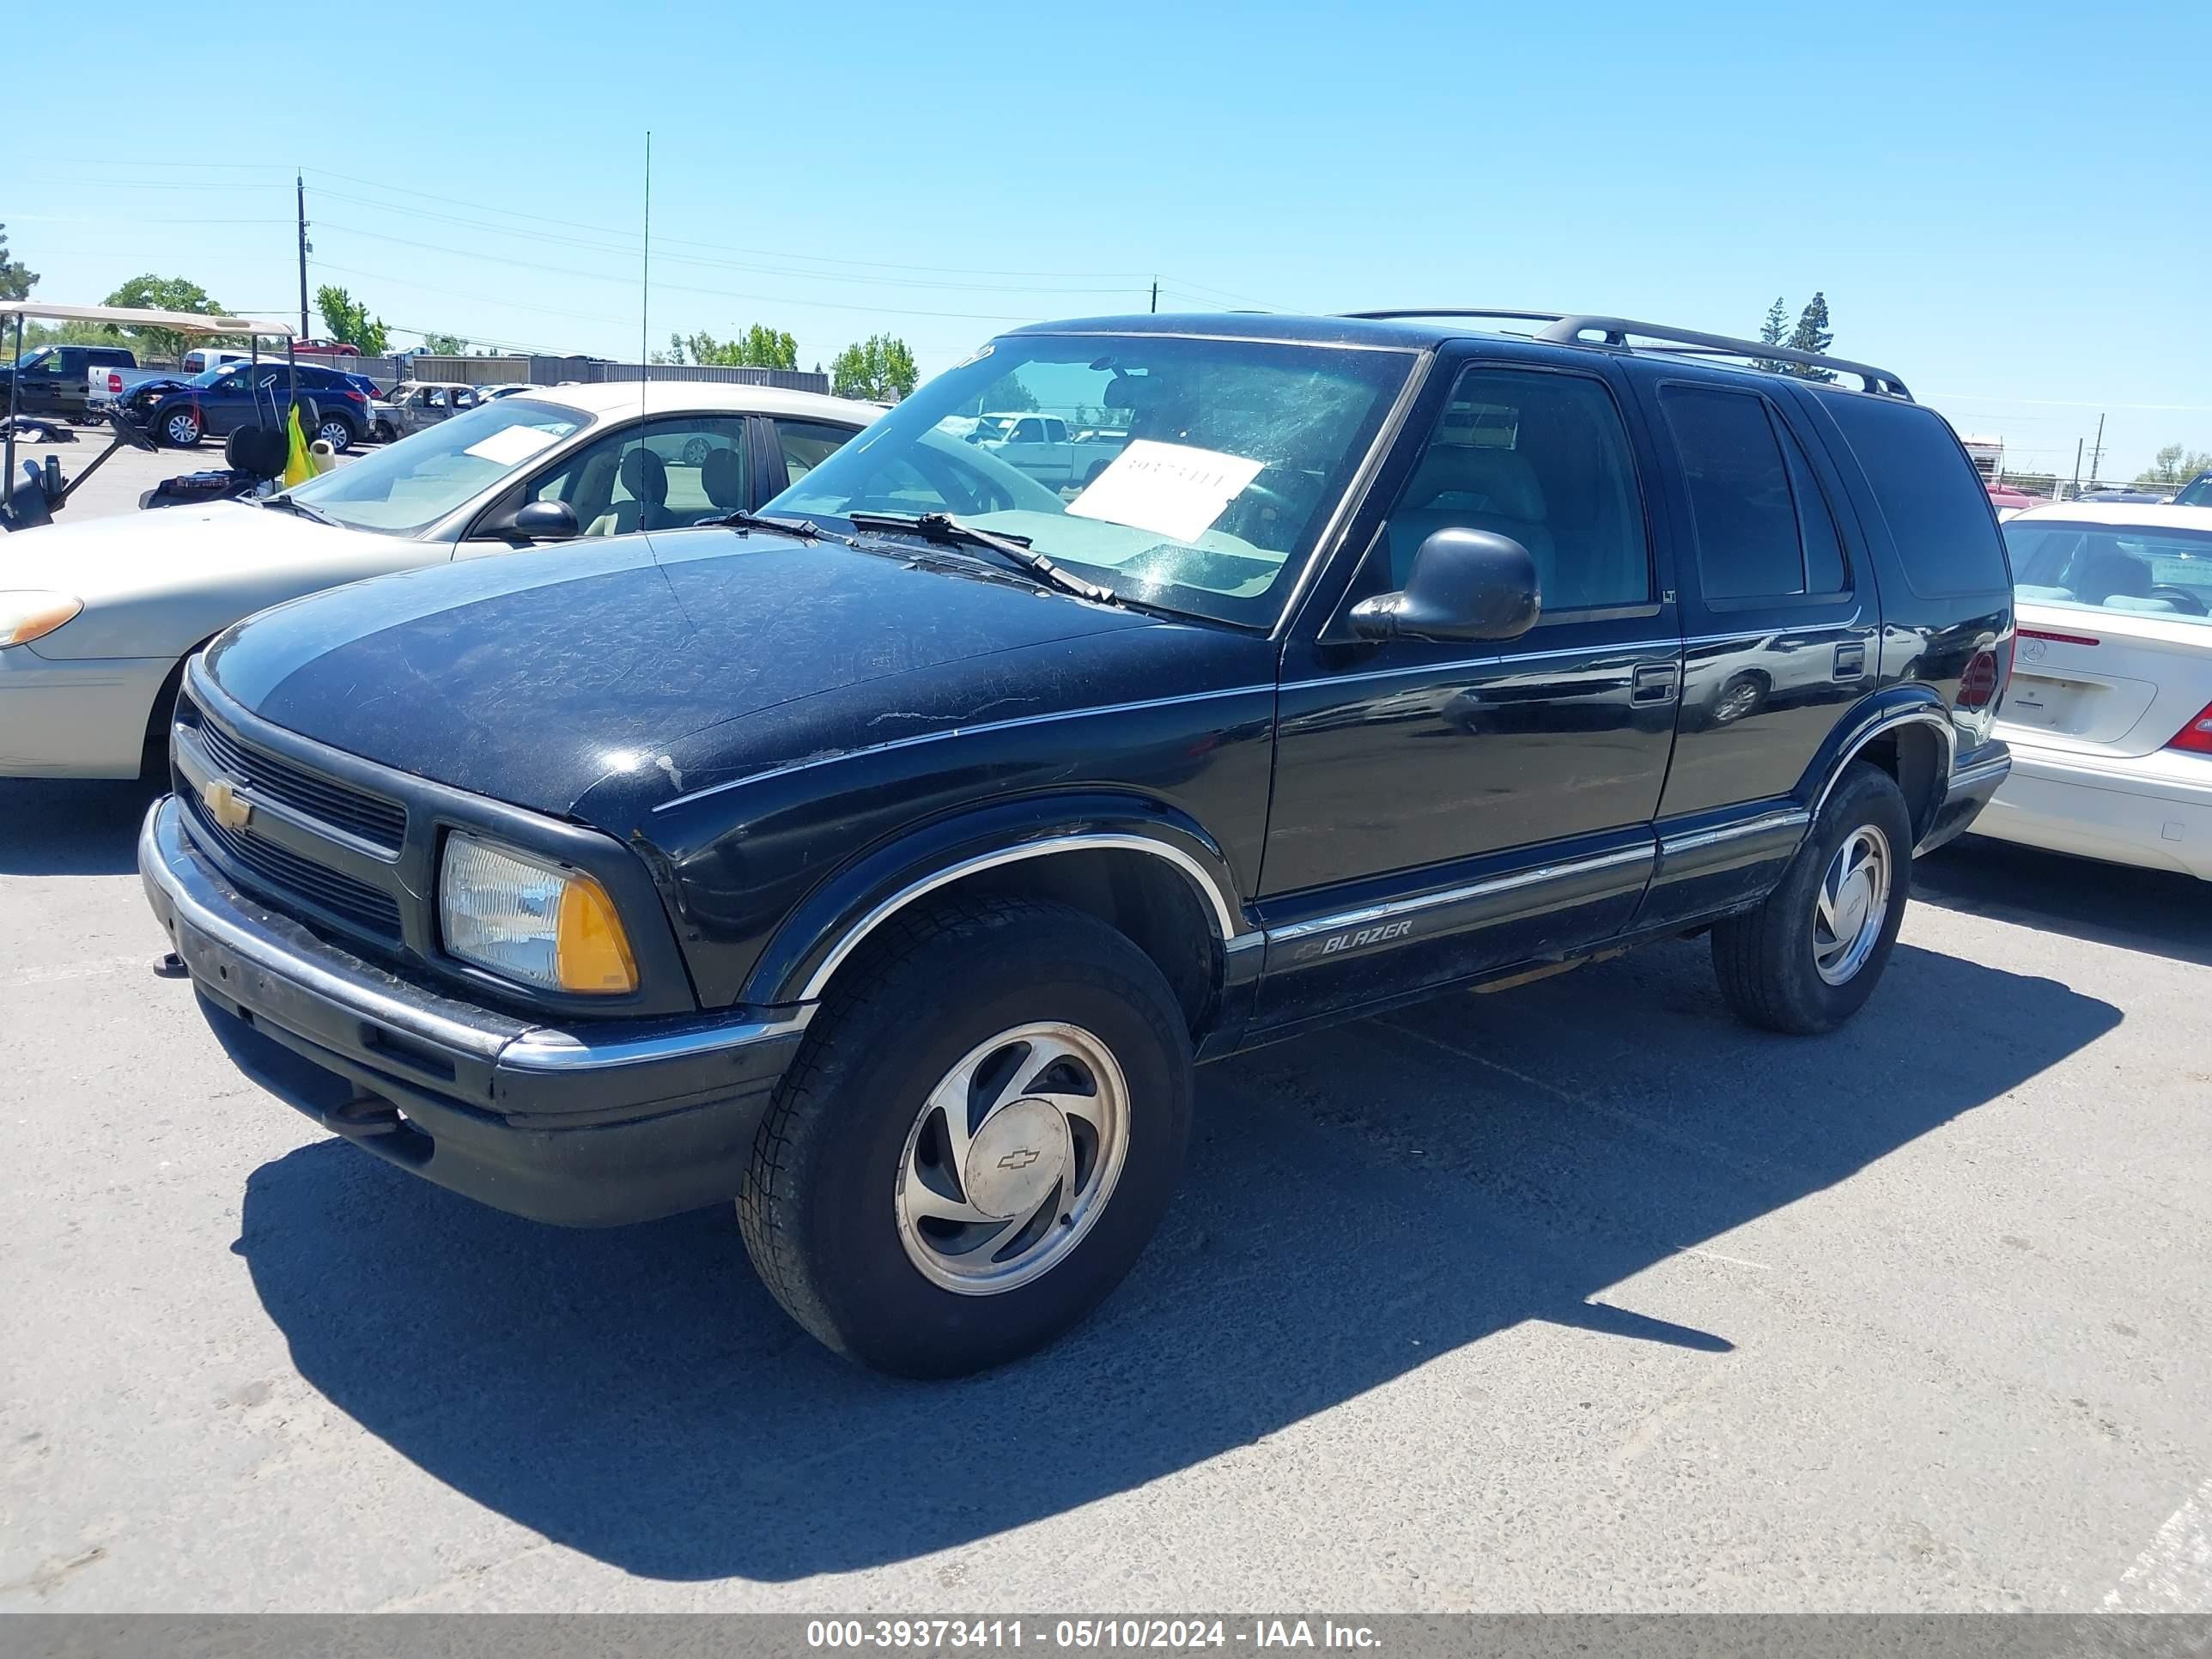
528,678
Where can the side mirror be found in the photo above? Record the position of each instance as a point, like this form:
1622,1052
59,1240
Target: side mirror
537,521
1465,584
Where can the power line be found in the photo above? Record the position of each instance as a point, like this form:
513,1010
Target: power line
723,247
712,293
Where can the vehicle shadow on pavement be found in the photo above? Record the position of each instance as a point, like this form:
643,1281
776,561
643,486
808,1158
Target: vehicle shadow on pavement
2163,912
72,827
1357,1203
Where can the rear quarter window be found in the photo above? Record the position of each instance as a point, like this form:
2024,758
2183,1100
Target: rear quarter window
1930,494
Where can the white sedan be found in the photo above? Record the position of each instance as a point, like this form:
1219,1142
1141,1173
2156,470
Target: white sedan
2109,713
96,619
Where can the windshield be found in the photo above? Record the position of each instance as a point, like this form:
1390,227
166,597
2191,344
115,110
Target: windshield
2197,492
1215,465
2139,569
404,488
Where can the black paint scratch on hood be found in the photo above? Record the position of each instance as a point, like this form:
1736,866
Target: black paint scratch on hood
528,676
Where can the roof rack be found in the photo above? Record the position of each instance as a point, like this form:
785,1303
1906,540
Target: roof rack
1566,329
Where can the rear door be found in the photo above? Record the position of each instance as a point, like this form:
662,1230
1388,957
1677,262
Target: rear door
1781,620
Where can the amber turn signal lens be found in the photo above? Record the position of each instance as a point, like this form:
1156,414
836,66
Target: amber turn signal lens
590,952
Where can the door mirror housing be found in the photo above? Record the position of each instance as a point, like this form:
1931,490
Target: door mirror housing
1465,584
537,521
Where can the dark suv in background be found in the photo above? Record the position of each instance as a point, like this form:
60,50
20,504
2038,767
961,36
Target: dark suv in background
886,860
183,410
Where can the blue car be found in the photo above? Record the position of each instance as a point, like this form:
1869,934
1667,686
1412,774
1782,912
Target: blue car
182,412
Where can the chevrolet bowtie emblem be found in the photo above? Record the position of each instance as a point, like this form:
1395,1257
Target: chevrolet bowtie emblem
225,805
1018,1160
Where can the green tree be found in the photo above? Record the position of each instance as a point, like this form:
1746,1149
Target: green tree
16,279
445,345
2175,465
1007,396
1772,332
1813,334
758,346
161,294
878,368
350,321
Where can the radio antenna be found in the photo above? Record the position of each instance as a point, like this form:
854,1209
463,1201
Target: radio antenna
645,276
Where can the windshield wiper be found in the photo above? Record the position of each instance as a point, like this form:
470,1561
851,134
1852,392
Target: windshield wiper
805,529
302,509
945,529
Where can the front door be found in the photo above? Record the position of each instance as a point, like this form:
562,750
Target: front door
1442,808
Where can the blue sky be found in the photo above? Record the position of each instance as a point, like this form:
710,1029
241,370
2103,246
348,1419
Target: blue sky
2007,206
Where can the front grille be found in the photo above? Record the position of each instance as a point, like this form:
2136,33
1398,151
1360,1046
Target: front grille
375,820
289,874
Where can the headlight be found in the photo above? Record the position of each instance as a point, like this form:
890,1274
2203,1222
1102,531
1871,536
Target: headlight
31,613
530,921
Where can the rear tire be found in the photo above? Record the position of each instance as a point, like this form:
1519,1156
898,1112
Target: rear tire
849,1207
1806,959
337,432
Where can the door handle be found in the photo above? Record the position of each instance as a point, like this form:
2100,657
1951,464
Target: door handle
1655,683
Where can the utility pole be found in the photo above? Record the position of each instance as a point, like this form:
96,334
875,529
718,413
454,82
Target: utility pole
2077,465
1156,293
300,183
2097,453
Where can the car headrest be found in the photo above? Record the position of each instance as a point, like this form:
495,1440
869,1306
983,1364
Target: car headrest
646,476
1498,481
2101,576
722,475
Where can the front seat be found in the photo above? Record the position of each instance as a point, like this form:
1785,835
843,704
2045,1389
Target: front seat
646,476
2106,574
722,475
1461,487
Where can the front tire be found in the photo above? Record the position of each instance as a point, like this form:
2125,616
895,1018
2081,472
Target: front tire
1806,959
180,428
922,1244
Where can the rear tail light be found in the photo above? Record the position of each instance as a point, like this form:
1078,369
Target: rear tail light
1983,683
2195,737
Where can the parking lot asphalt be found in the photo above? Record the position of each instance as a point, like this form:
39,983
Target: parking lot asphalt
1580,1296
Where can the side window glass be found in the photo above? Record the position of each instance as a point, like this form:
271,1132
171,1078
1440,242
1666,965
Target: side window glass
1816,524
806,444
1031,431
1055,432
1540,458
590,481
704,470
1745,515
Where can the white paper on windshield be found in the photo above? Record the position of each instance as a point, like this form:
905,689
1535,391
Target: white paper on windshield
511,444
1172,490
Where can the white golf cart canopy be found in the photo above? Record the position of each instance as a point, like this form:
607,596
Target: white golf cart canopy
47,492
177,322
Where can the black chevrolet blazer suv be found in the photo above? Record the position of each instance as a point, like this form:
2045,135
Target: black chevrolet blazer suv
884,860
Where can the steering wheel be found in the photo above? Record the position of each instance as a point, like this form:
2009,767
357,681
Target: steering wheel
2181,598
137,436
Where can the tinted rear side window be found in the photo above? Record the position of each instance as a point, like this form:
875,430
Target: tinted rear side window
1763,528
1933,500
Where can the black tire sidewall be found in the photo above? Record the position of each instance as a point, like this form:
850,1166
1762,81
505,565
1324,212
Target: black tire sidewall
1865,795
885,1312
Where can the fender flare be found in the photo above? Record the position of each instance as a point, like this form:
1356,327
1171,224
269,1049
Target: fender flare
1886,711
823,932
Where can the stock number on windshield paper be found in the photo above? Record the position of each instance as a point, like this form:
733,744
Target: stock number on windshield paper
936,1633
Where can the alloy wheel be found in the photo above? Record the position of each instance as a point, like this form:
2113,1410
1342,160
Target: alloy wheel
1851,904
1012,1158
